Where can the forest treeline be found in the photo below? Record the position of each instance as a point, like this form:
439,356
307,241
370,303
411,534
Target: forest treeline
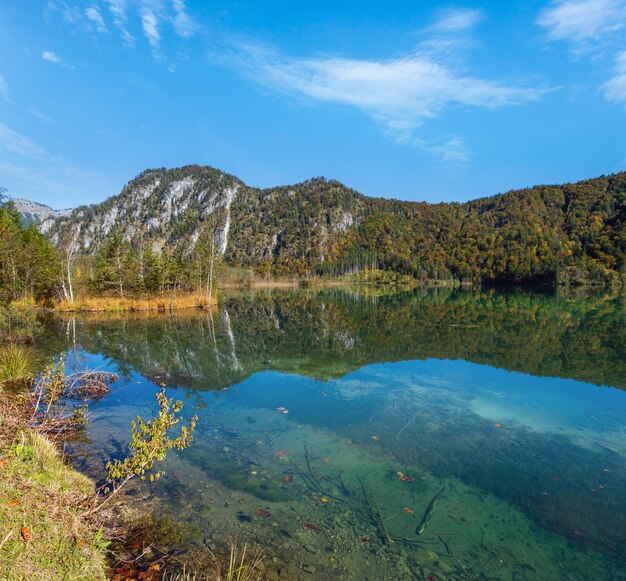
33,268
573,233
167,228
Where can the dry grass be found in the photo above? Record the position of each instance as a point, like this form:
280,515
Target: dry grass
241,565
116,304
42,533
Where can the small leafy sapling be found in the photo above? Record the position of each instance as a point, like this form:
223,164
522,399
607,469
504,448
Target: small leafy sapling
150,443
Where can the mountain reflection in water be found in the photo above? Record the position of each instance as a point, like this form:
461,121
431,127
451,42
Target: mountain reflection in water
510,402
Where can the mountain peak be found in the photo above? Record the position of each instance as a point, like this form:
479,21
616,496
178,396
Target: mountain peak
36,213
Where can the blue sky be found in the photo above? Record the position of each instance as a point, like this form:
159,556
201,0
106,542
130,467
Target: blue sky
415,100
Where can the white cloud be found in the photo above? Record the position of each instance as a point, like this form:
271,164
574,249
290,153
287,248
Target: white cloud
582,21
41,116
150,25
118,10
153,16
452,152
94,15
615,88
4,89
183,24
457,20
399,93
591,26
13,142
52,57
30,170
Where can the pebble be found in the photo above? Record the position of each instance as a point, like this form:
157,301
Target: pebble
310,549
307,568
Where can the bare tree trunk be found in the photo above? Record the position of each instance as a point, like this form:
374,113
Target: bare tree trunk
70,286
211,268
66,272
119,276
173,293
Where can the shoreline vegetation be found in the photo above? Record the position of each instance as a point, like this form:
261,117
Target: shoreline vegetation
53,520
44,534
159,303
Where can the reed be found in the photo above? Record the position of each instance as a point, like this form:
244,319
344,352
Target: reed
118,304
241,568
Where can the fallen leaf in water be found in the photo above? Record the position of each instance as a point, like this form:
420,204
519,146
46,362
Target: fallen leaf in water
262,512
151,574
376,438
498,426
409,510
323,500
282,453
326,460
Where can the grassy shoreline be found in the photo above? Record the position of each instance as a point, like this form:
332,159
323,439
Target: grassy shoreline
43,532
189,301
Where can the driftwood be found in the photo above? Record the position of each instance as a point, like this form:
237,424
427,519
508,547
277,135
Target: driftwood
89,384
406,426
50,412
380,521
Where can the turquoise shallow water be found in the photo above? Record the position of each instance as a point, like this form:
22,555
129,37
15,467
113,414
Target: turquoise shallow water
493,422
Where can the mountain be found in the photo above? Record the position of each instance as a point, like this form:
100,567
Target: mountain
570,232
166,208
34,213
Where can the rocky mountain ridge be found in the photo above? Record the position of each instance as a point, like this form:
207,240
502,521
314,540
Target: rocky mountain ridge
164,208
37,213
573,232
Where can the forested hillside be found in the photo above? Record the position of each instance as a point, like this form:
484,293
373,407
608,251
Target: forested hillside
167,230
570,233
